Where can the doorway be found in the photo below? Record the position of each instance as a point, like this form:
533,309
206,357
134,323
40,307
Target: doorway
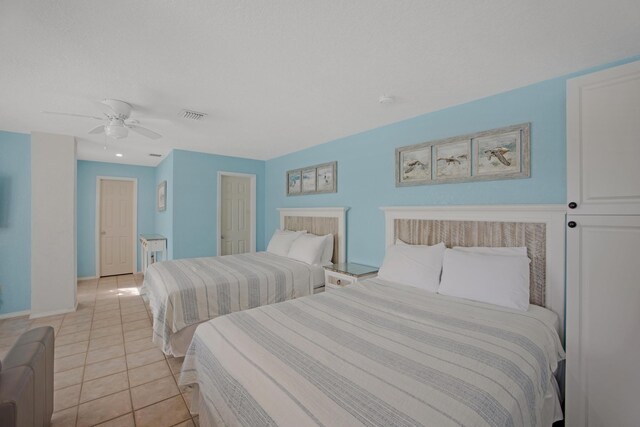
236,213
116,217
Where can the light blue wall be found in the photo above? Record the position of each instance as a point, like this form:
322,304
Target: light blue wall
164,219
15,222
195,200
366,164
86,222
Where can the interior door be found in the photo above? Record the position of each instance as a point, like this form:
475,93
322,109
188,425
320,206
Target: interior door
235,222
116,227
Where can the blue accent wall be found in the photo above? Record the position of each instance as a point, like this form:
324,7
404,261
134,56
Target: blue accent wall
195,177
15,222
366,164
164,219
86,216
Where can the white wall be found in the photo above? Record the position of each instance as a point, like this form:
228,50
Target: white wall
53,224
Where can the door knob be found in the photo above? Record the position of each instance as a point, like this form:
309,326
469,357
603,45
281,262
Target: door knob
573,205
572,224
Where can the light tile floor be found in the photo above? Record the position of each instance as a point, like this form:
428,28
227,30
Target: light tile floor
107,370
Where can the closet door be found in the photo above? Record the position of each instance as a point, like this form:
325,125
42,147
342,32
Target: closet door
603,142
603,321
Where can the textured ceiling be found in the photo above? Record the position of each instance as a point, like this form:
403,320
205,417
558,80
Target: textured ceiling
278,76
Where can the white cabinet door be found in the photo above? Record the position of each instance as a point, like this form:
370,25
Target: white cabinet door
603,141
603,321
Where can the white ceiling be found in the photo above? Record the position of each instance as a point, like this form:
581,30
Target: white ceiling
279,76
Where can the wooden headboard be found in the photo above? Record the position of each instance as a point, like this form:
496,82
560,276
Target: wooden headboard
319,221
538,228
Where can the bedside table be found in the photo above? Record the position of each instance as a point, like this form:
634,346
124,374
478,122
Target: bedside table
337,276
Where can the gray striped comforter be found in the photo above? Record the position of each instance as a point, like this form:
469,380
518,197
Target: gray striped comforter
374,354
189,291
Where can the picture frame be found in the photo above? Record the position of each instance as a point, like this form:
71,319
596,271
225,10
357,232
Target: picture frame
495,154
162,196
309,180
317,179
294,182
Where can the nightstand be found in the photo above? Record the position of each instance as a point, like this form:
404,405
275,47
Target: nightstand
337,276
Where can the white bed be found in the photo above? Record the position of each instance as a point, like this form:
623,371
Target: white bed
379,353
184,293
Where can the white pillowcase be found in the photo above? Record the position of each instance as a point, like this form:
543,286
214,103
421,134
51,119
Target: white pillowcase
495,279
308,248
513,251
413,265
327,254
282,240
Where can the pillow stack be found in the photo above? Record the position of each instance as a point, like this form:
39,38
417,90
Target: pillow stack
497,276
302,246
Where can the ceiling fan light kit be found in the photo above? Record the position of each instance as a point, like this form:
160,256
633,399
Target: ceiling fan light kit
118,121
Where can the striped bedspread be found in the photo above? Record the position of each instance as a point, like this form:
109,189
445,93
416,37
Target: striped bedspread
374,354
189,291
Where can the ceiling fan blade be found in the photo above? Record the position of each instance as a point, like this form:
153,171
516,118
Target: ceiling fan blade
97,129
144,131
72,115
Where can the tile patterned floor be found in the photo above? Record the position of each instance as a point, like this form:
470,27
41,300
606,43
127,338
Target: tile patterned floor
107,370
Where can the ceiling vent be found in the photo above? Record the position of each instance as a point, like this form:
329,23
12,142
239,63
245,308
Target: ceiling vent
155,155
191,115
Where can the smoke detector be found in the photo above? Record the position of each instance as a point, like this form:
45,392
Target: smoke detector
191,115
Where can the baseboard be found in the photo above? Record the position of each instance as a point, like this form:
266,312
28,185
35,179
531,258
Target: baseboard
15,314
80,279
54,312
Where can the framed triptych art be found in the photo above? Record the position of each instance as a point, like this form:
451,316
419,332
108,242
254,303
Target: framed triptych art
316,179
490,155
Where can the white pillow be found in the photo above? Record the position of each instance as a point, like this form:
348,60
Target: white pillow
282,240
413,265
327,254
496,279
513,251
308,248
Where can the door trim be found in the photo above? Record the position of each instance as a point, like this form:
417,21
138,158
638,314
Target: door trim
252,198
135,220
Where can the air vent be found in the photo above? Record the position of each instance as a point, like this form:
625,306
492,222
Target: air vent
155,155
191,115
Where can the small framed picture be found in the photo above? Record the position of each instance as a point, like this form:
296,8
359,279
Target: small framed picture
413,165
453,160
326,178
309,180
499,154
162,196
294,182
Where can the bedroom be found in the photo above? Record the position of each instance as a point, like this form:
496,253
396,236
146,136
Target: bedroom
381,77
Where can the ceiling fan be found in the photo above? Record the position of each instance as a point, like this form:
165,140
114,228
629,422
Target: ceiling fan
118,121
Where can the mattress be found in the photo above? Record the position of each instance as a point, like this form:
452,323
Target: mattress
379,354
186,292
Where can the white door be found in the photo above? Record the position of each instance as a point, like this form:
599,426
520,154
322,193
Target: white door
235,210
603,142
116,227
603,321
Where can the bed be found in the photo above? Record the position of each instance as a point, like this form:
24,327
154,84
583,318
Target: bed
381,353
184,293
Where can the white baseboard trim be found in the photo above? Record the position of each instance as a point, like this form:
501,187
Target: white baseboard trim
54,312
15,314
80,279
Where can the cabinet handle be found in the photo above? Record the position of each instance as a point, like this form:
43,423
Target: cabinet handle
338,282
572,224
573,205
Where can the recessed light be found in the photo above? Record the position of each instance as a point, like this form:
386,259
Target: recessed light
119,154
